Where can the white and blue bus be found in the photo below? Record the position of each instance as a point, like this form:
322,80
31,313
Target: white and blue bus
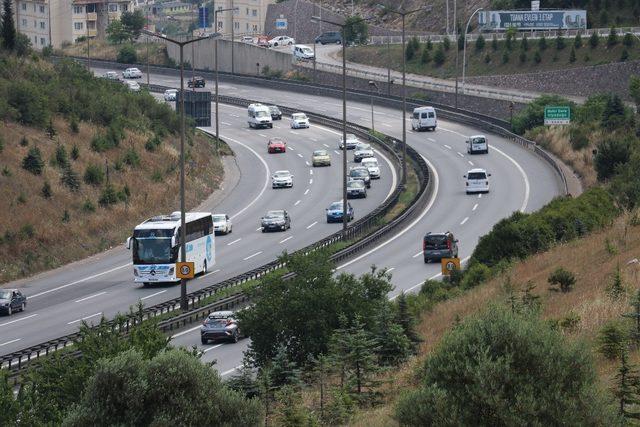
155,246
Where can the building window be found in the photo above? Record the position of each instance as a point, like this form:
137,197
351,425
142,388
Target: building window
24,22
255,28
35,24
91,8
236,11
42,41
254,12
42,25
34,11
41,9
247,11
35,39
78,25
124,7
77,10
236,25
219,25
24,6
113,8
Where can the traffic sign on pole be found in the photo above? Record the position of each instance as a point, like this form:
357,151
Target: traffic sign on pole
449,264
557,115
185,270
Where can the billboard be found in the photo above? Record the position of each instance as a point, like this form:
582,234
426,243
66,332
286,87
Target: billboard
493,20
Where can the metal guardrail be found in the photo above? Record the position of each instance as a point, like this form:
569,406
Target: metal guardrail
18,361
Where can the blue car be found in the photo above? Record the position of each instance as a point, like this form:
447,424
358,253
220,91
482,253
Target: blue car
334,212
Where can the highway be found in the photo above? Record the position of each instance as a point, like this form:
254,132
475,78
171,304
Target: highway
520,181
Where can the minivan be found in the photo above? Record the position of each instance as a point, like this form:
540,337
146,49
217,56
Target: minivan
477,144
259,116
477,181
436,246
329,37
302,52
424,118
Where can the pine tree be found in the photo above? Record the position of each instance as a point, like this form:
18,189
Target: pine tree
560,44
62,160
75,152
446,43
612,39
50,130
537,57
626,388
33,161
407,321
266,389
524,43
616,289
70,179
594,40
321,370
46,190
283,370
244,381
577,41
635,315
480,42
395,346
542,43
429,45
426,57
572,55
8,27
438,56
494,43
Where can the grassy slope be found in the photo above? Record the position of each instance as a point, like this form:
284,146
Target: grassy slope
154,189
593,264
101,49
476,65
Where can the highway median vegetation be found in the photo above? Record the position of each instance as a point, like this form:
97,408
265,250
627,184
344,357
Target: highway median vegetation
74,165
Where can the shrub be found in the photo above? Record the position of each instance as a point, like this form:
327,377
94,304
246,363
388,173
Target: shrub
124,194
487,58
73,125
572,55
563,278
537,58
611,153
75,152
542,43
127,55
524,43
508,43
461,41
475,275
480,43
46,190
70,179
612,39
446,43
577,41
152,143
88,206
21,199
33,161
494,43
27,231
50,129
533,114
66,217
47,51
523,57
578,137
6,171
614,114
627,40
93,175
157,176
108,196
594,40
61,157
438,56
612,340
505,57
435,290
514,364
131,157
429,44
560,44
24,141
624,55
426,57
29,102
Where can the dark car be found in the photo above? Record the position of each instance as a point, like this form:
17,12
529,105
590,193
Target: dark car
276,114
329,37
361,173
12,300
436,246
196,81
334,212
275,221
220,325
356,188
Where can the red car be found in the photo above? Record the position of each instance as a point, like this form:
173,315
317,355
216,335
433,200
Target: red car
276,145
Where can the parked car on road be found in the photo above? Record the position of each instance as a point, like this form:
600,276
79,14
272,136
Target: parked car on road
329,37
12,300
276,145
282,179
171,94
299,120
281,41
222,224
334,212
303,53
356,188
321,158
276,114
196,81
220,325
436,246
276,221
132,73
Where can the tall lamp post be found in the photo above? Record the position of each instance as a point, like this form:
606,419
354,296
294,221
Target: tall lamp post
215,60
183,230
403,14
464,50
345,219
374,84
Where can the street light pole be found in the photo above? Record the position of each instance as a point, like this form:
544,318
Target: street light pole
183,231
464,50
374,84
215,62
233,69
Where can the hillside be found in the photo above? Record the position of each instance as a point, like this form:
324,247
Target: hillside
81,166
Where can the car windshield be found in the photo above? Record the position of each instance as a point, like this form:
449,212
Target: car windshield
152,250
282,174
307,50
351,137
299,116
217,322
219,218
356,184
359,172
361,147
370,163
320,153
477,175
5,294
274,216
274,109
262,114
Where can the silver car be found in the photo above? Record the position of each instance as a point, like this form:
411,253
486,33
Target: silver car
282,179
220,325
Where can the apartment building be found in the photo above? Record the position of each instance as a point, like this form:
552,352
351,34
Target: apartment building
54,22
248,19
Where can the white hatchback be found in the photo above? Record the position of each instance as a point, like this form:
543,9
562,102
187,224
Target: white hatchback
371,163
132,73
299,120
477,181
170,94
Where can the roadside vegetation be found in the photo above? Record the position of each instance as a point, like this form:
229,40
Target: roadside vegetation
488,56
82,161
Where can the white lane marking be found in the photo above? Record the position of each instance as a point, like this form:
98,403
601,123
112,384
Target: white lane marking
234,115
91,296
336,151
230,371
10,342
389,270
179,334
237,240
311,225
284,240
153,295
297,203
310,170
314,139
300,155
306,191
226,124
527,188
211,272
435,276
431,139
79,281
470,162
480,196
395,236
448,146
262,135
475,207
417,255
311,181
394,177
308,164
464,220
84,318
291,148
387,125
460,154
326,145
18,320
212,348
294,132
251,256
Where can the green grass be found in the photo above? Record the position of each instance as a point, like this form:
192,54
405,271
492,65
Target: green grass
551,58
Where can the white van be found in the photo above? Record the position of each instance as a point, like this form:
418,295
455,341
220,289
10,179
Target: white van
424,118
302,52
477,181
259,116
477,144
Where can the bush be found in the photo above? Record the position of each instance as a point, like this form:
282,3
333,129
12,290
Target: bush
612,340
75,152
426,57
524,43
578,137
439,56
572,55
73,125
594,40
510,36
560,44
624,55
502,368
33,161
127,55
24,141
131,157
475,275
88,206
533,114
611,154
446,43
480,43
537,58
563,278
93,175
29,102
505,57
577,41
627,40
487,58
542,43
70,179
108,196
523,57
152,143
612,39
61,159
46,190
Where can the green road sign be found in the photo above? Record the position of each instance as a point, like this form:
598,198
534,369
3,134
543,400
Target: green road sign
557,115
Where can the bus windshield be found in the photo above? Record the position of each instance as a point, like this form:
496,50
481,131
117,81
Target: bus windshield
152,251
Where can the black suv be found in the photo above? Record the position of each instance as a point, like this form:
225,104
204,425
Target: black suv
436,246
329,37
196,81
276,114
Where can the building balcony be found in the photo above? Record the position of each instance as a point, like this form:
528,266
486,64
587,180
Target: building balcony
92,32
114,16
92,16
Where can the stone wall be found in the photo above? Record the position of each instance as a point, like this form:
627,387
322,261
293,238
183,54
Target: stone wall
583,81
